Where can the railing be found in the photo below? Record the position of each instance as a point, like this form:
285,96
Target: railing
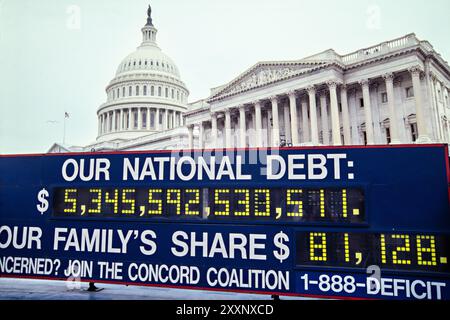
385,47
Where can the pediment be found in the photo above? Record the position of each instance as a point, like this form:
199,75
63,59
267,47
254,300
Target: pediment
265,73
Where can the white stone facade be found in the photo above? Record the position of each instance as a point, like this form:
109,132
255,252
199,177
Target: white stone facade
399,87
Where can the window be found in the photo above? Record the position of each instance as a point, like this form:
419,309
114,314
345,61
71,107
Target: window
145,90
388,135
137,90
413,127
152,90
152,119
129,91
340,107
160,118
173,93
114,94
144,119
178,95
123,92
361,102
409,92
159,91
166,92
384,97
135,118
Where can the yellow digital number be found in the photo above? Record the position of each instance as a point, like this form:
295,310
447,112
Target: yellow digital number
265,203
344,203
114,200
431,250
299,203
196,200
174,200
405,248
346,248
157,202
322,203
73,201
320,246
132,201
219,201
244,202
97,200
383,248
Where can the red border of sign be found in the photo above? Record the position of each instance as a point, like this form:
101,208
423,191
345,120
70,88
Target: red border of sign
447,162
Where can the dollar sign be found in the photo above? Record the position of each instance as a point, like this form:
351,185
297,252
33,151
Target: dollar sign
283,250
43,203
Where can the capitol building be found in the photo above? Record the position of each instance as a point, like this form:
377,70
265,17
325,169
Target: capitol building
395,92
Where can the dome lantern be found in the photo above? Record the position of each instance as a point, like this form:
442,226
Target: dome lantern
149,31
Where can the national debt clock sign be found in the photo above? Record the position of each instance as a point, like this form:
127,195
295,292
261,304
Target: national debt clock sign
350,222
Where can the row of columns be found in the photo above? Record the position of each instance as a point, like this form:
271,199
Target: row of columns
310,125
107,122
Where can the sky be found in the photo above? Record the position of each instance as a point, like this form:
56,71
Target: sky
58,56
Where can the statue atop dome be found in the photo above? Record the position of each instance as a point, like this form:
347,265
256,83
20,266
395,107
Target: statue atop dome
149,16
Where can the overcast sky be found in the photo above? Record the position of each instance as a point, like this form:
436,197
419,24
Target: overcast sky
59,55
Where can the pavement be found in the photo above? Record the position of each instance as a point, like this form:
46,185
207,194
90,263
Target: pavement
24,289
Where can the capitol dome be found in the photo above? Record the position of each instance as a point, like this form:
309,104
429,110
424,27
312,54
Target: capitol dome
145,96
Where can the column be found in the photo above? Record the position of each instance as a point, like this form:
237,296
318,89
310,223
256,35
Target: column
181,119
393,123
305,120
313,115
287,123
228,143
335,126
139,123
269,126
258,124
294,124
276,123
108,126
214,130
242,127
99,127
191,136
324,118
201,135
157,125
421,124
345,116
166,119
121,120
367,111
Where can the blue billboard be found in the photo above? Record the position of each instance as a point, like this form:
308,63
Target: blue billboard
346,222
